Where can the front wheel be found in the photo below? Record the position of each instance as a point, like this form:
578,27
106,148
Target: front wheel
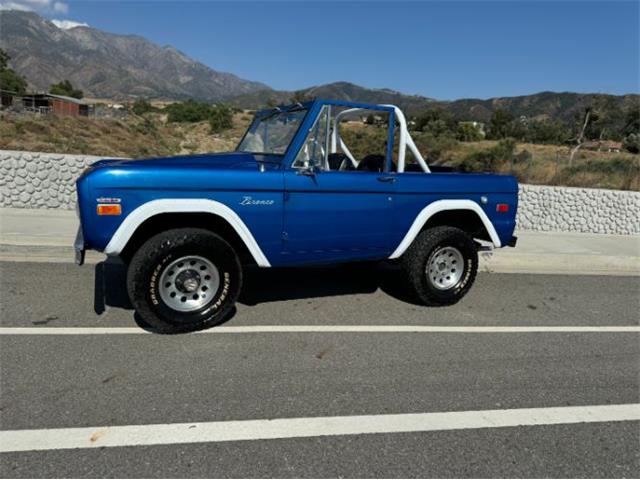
441,265
183,280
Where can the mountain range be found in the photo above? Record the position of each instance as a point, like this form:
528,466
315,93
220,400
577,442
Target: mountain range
125,67
564,106
106,65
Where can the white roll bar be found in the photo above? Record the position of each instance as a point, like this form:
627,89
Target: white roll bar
404,139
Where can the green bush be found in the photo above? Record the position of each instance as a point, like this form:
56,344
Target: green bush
189,111
437,122
221,118
434,146
141,106
490,159
546,131
525,156
632,142
467,132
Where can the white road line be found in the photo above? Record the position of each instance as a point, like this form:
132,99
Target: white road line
226,431
325,329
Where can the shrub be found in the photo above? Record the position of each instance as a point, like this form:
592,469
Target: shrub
189,111
490,159
632,142
141,106
221,118
546,131
525,156
436,121
467,132
434,147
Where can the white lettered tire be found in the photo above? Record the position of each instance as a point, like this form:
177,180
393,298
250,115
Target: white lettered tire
441,265
184,279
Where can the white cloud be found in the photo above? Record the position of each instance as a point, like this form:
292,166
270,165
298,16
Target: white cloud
60,7
41,6
14,6
68,24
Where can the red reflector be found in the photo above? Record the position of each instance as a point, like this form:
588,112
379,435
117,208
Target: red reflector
502,207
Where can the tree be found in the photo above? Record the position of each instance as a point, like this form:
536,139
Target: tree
10,80
142,106
632,143
65,88
500,123
581,137
468,132
546,131
437,122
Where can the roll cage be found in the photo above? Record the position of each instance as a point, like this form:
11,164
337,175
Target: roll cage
335,141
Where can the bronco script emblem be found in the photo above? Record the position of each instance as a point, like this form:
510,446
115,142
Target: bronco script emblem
247,200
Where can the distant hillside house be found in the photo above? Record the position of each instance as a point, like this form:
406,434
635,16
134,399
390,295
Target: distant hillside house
603,146
46,103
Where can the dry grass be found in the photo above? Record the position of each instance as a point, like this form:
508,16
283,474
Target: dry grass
549,165
133,137
151,135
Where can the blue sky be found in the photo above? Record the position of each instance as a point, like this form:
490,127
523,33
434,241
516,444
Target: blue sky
445,50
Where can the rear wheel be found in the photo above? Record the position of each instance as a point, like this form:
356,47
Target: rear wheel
441,265
184,279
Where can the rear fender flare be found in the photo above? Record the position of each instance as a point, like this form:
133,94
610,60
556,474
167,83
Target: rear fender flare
439,206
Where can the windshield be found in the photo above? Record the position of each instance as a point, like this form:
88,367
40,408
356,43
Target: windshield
272,133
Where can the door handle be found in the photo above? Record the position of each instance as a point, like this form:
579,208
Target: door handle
388,179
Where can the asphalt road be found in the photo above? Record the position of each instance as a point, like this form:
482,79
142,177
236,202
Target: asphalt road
62,381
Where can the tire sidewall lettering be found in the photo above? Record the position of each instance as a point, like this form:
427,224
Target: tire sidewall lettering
154,280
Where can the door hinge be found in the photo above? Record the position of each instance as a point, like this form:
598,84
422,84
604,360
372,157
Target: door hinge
285,236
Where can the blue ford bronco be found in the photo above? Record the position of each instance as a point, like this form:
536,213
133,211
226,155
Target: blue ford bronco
292,193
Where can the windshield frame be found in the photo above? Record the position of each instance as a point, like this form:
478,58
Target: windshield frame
272,112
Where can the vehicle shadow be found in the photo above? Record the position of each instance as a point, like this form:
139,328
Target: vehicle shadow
271,285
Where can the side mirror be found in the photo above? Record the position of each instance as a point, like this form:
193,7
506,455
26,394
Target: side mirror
309,171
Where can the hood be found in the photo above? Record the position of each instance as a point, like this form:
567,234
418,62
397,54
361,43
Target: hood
230,160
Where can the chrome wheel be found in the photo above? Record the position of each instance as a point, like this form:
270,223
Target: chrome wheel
189,283
445,267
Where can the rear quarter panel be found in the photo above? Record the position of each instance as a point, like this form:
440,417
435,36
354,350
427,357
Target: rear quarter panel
417,190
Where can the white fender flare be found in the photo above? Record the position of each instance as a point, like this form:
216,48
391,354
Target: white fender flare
440,206
180,205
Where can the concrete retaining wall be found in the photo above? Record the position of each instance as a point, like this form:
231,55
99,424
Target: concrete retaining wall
46,180
40,180
585,210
